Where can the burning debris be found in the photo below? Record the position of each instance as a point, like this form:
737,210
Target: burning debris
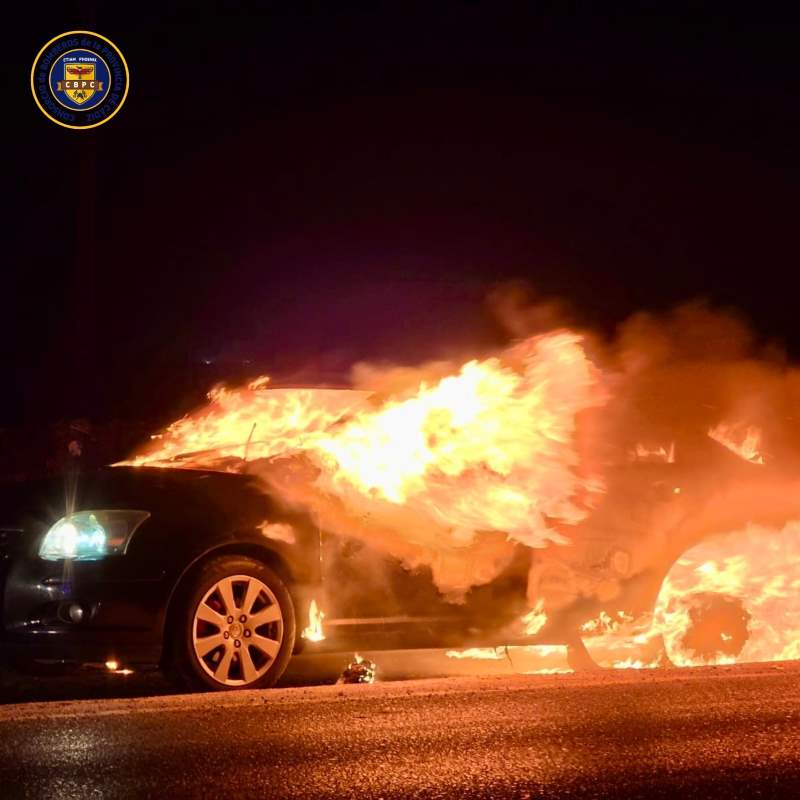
359,670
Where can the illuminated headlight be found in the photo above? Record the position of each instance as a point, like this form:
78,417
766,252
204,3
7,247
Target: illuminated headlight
90,535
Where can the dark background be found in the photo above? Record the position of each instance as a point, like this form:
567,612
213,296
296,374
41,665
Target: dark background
290,188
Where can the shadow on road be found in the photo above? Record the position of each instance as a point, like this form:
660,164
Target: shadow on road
305,670
92,683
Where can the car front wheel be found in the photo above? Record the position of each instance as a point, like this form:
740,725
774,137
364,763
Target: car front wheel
234,627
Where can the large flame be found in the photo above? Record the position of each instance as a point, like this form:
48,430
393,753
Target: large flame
489,448
482,453
734,598
457,470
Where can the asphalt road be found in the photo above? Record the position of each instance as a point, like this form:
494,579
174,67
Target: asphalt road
723,732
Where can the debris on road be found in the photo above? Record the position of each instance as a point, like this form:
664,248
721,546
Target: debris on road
359,670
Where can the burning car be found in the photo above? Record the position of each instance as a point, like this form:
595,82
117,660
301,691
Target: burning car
458,509
178,568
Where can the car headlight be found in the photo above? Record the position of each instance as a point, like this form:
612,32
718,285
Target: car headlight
91,535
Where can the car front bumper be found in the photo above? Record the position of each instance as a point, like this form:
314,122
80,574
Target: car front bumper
79,612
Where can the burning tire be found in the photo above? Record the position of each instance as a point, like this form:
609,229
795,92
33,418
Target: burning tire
234,627
730,598
718,627
715,630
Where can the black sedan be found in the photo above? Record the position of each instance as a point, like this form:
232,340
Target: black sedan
212,578
207,576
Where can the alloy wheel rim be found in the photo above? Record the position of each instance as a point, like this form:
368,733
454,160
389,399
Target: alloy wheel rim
237,630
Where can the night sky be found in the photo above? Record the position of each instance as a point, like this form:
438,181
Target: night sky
302,186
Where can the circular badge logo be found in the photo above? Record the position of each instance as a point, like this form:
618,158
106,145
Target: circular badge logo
79,80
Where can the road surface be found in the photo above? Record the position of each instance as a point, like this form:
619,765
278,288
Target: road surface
722,732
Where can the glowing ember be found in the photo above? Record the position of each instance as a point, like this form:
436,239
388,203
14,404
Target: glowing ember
746,446
314,632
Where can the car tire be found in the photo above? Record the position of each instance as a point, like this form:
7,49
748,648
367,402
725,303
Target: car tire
233,627
719,627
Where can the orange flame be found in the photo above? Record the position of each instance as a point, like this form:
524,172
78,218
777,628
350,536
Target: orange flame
756,572
486,451
746,447
454,472
314,632
535,619
642,453
478,653
730,599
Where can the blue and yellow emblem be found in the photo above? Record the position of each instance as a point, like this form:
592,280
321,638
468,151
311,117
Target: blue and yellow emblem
79,80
